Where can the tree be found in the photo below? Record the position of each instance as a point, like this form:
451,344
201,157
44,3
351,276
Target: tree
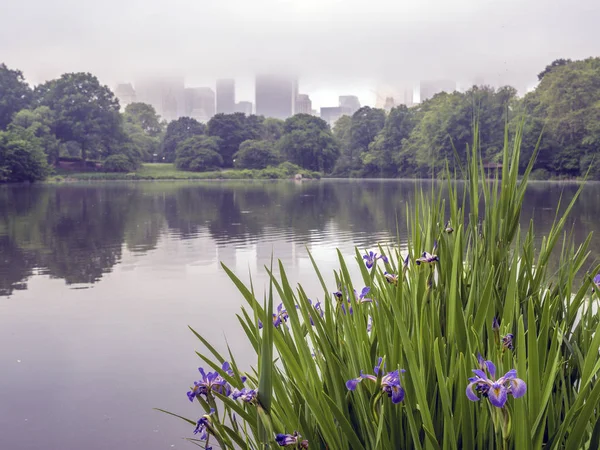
145,116
307,141
366,123
549,68
15,94
272,129
198,153
177,132
233,129
40,123
21,159
86,112
256,155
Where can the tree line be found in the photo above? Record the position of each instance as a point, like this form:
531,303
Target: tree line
75,117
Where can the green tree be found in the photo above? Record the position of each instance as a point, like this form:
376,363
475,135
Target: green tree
177,132
40,123
256,155
145,116
86,112
366,123
21,159
199,153
233,129
15,94
342,131
272,129
308,142
549,68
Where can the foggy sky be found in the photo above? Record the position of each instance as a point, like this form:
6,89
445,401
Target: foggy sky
335,46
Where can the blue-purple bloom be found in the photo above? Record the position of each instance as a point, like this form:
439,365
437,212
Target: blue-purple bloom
369,324
507,341
212,381
497,391
362,298
246,395
427,258
495,324
390,382
371,258
597,280
203,426
391,278
285,440
280,316
319,310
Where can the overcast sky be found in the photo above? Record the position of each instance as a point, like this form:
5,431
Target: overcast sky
336,46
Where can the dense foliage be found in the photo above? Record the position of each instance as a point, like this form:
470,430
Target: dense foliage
76,116
198,153
463,337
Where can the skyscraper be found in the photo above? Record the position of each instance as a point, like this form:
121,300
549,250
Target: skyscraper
350,103
429,88
200,103
226,96
275,95
244,107
125,93
166,94
303,104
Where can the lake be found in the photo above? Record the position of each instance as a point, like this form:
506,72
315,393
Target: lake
98,283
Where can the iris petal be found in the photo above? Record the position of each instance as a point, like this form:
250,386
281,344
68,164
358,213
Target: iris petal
497,395
518,387
397,394
491,369
353,383
471,394
480,373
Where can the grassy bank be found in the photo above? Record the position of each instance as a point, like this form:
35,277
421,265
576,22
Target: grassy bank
165,171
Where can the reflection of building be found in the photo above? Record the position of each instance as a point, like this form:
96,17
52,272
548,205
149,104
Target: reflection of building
350,103
200,103
166,94
275,95
303,104
126,94
244,107
429,88
226,96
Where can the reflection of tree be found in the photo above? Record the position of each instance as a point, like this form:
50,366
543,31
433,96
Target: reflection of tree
77,232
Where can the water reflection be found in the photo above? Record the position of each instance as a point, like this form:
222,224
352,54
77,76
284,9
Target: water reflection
77,233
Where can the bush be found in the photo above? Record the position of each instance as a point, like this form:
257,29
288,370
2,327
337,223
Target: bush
21,160
484,299
540,175
117,163
198,154
255,155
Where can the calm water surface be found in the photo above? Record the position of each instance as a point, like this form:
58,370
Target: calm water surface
98,283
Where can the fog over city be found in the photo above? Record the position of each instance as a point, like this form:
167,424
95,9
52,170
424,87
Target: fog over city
335,47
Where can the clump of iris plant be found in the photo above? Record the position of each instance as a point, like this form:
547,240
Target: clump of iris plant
359,298
390,382
371,258
291,440
497,391
212,381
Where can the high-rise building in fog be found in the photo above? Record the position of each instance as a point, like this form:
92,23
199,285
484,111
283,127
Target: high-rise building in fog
350,103
126,94
166,94
429,88
332,113
244,107
200,103
389,103
226,96
303,104
275,95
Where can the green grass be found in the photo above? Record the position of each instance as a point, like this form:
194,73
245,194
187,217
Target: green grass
432,322
166,171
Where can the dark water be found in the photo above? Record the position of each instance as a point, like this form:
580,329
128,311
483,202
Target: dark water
98,283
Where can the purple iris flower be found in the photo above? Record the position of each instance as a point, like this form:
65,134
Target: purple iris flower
427,258
391,278
319,310
495,324
362,298
246,395
280,316
507,341
390,382
285,440
371,258
212,381
597,280
203,426
497,391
